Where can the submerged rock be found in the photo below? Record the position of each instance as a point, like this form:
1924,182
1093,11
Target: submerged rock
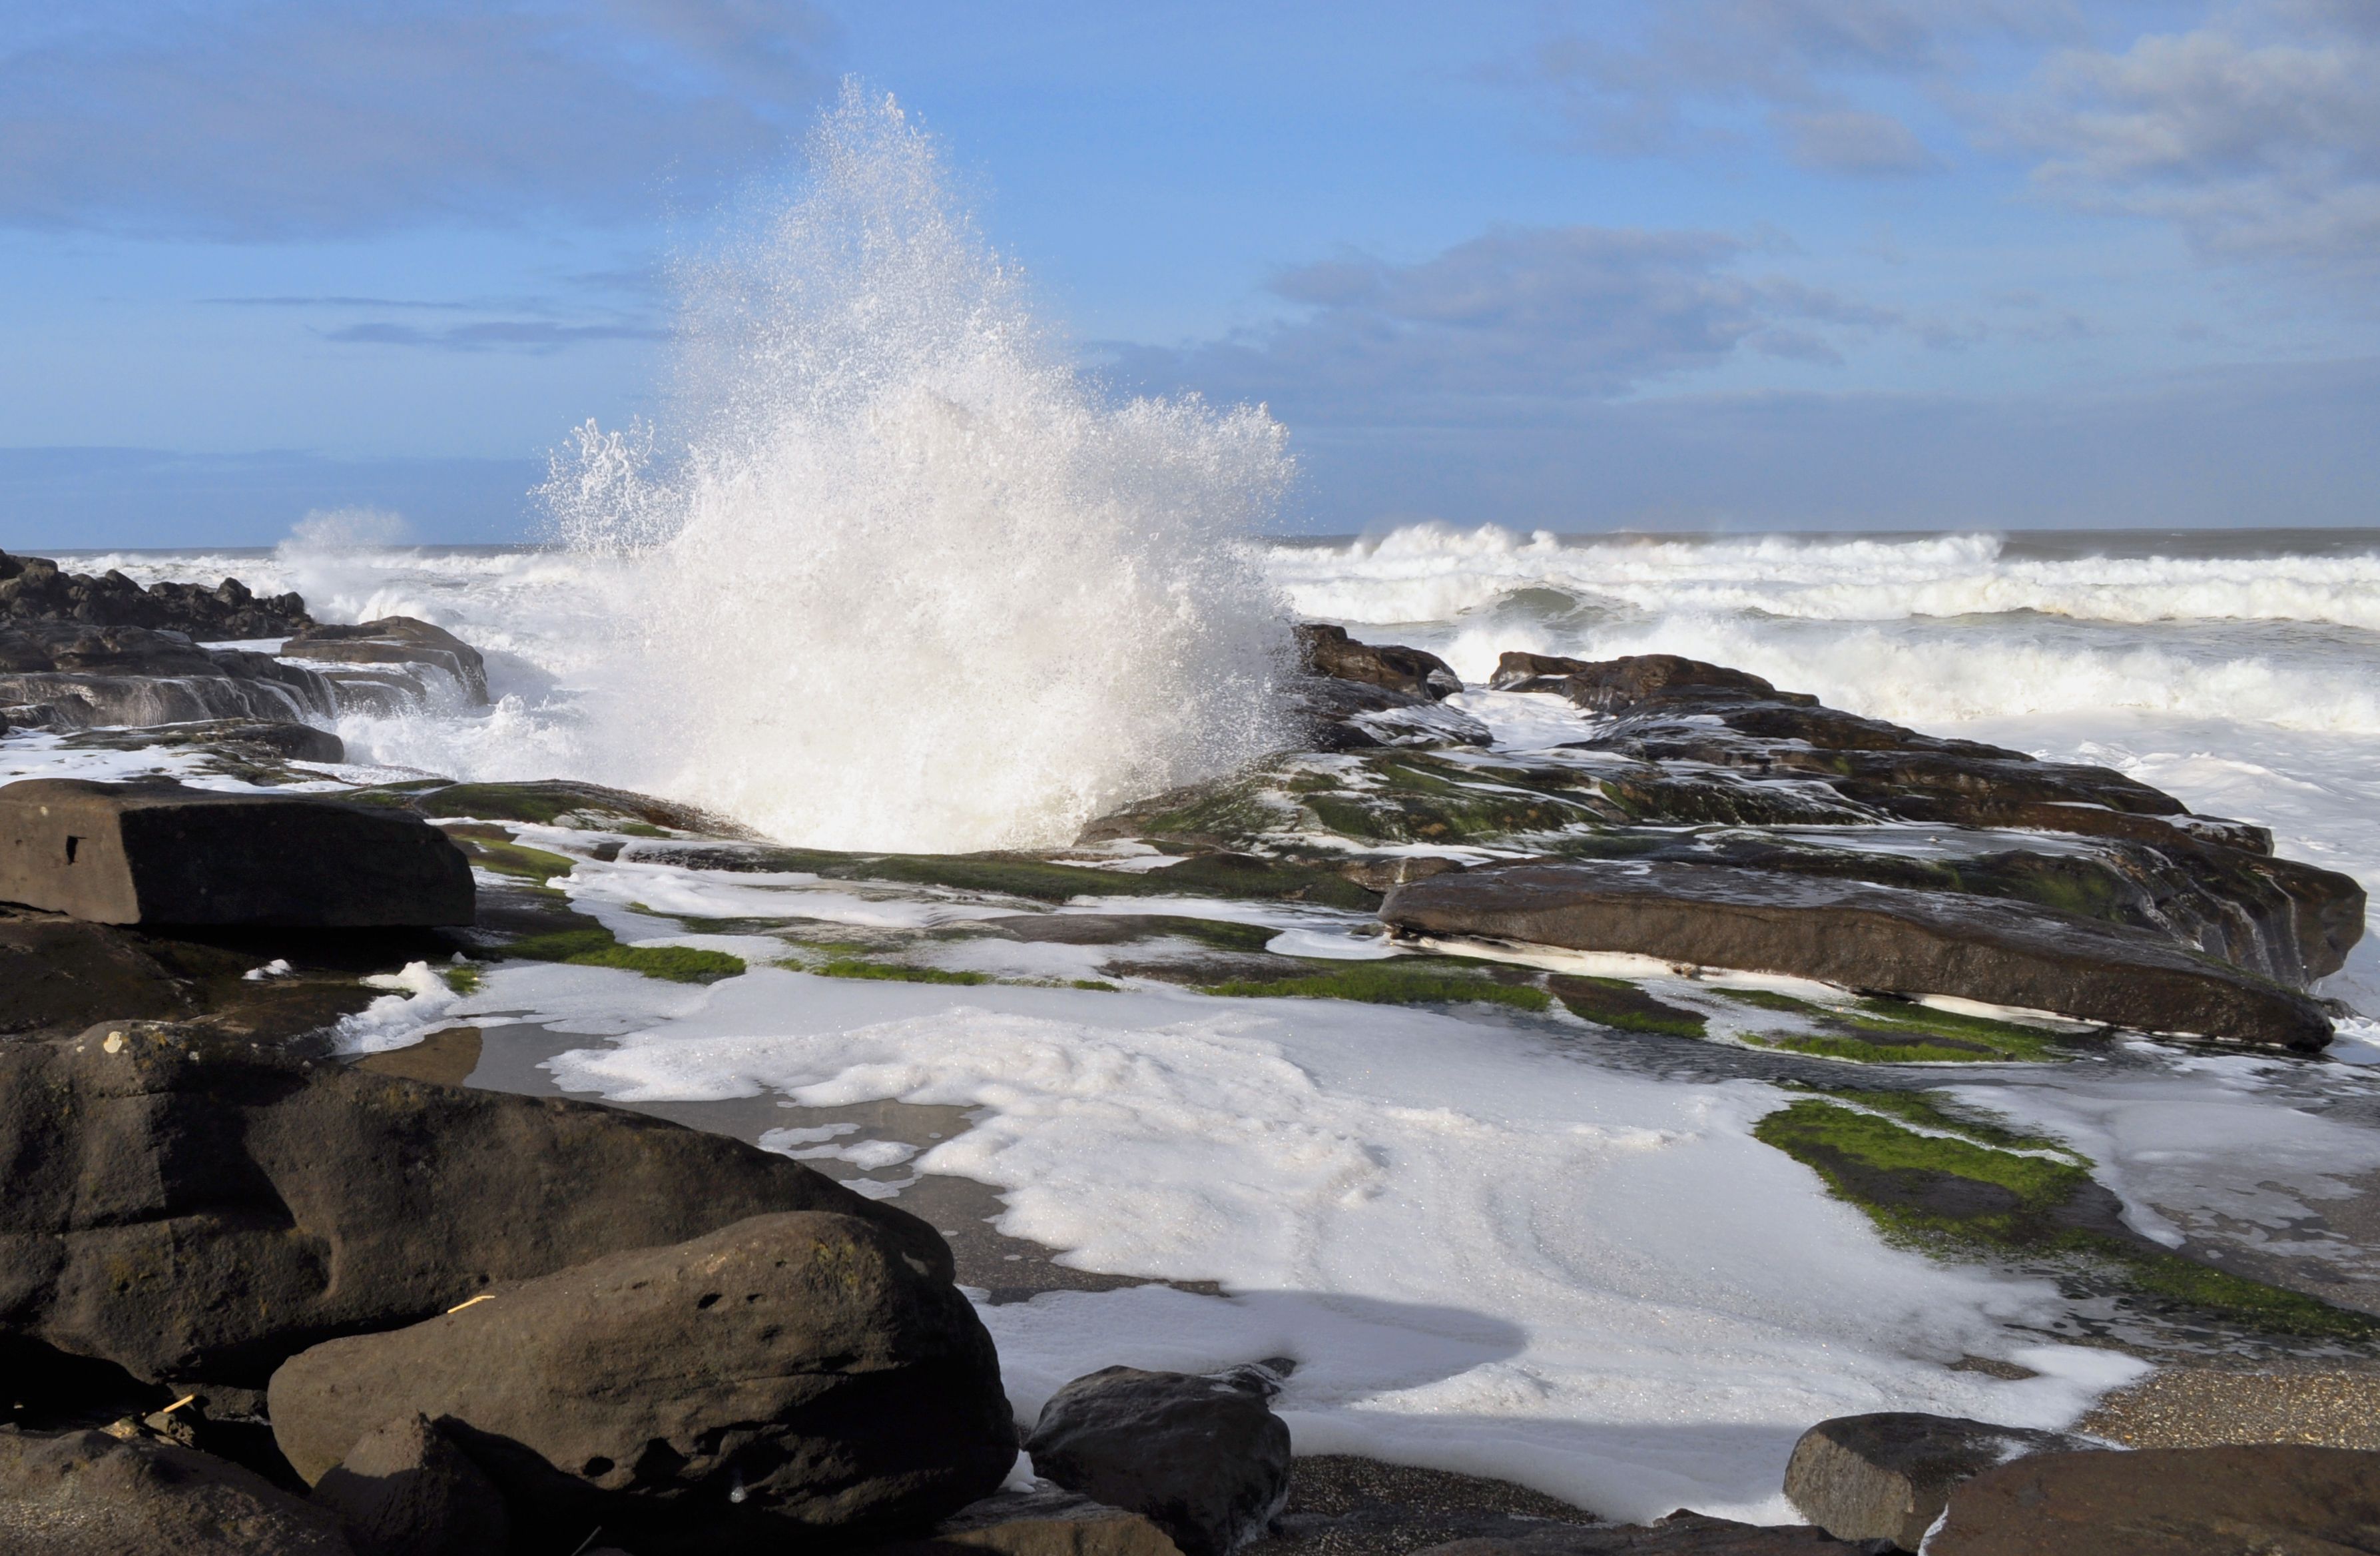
90,1494
1862,937
34,588
2168,1501
1887,1476
194,1208
1203,1458
160,853
783,1375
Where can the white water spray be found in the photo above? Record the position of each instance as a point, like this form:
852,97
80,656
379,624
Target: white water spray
910,582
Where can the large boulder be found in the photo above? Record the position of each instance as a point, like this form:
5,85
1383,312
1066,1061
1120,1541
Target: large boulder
1329,651
2270,1498
90,1494
1611,686
196,1209
35,589
1886,1476
406,1489
1343,715
401,644
1046,1522
1861,936
161,852
1204,1458
783,1375
76,674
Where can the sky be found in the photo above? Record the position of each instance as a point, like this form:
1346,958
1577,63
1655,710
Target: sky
1700,264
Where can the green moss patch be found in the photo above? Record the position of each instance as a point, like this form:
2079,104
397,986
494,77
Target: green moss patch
1958,1192
492,849
1890,1031
1615,1002
893,972
463,979
1402,980
598,948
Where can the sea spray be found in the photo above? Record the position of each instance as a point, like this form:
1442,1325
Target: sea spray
907,581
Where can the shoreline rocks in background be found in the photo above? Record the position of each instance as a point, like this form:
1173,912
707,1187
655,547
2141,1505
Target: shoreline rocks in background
161,852
1862,937
782,1374
34,588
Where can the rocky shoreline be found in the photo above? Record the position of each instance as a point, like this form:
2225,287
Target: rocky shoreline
257,1294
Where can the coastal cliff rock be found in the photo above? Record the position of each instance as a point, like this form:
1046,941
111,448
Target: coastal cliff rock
34,588
67,674
781,1375
193,1208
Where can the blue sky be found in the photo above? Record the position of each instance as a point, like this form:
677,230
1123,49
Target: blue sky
1724,263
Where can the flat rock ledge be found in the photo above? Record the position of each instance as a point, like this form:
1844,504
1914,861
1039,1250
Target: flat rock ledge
1863,936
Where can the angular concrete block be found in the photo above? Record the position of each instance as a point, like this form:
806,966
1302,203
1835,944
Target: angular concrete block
164,853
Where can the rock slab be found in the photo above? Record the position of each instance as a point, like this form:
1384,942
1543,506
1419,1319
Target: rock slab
2270,1499
1864,936
164,854
1886,1476
195,1209
1040,1523
406,1490
395,641
786,1374
90,1494
1203,1458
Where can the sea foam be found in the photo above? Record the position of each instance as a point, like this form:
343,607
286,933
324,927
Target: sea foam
904,579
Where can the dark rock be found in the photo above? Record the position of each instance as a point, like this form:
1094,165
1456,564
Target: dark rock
1886,1476
2274,1498
1863,937
53,971
79,675
195,1209
1204,1458
401,641
1043,1523
782,1374
33,589
159,853
1681,1534
1329,651
1383,872
90,1494
1358,715
1615,684
254,741
406,1489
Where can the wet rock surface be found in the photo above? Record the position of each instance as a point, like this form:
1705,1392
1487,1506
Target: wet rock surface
1202,1457
2168,1501
1329,653
1886,1476
193,1208
389,653
1866,937
1681,1534
162,853
76,674
782,1374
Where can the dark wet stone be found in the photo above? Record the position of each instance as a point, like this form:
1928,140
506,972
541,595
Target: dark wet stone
1681,1534
196,1208
1331,652
1863,937
783,1375
401,641
76,675
160,853
1203,1458
34,588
